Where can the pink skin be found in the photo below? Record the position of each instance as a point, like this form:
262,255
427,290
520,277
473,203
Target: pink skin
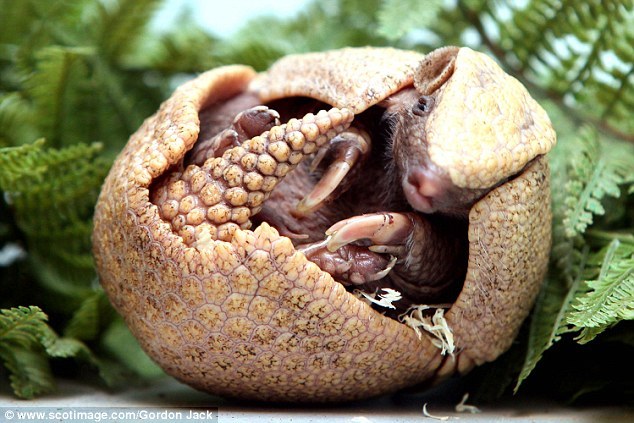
427,188
420,189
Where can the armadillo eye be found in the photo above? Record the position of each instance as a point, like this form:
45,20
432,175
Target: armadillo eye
423,105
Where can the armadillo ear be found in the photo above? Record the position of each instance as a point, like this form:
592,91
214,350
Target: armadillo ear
435,69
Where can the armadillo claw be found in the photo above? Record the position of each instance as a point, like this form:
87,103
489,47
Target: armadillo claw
254,121
348,149
383,273
382,229
212,147
247,124
394,250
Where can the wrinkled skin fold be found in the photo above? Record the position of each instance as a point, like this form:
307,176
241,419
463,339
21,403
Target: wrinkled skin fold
237,310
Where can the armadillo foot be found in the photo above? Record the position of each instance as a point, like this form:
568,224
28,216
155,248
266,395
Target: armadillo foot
344,152
350,264
388,234
419,249
254,121
247,124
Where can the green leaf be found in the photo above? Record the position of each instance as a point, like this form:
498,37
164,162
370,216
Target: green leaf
23,326
585,171
23,332
30,374
56,91
185,49
27,342
264,39
548,321
580,51
17,163
119,342
90,318
111,373
53,198
16,120
398,17
121,25
610,298
592,177
64,347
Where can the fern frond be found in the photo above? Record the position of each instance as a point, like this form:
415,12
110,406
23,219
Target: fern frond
548,321
30,374
55,89
16,163
15,18
66,181
397,17
23,326
53,195
592,177
579,51
621,158
91,316
566,253
73,175
608,299
76,92
23,332
584,173
66,348
264,39
26,344
186,48
121,25
56,22
16,120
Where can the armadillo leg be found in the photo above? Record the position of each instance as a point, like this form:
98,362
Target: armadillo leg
350,264
344,152
430,251
247,124
210,202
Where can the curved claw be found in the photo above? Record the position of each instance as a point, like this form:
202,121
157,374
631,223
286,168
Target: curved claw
382,229
315,199
393,250
247,124
348,148
319,156
254,121
383,273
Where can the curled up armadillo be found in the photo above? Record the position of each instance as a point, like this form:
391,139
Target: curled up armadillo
343,225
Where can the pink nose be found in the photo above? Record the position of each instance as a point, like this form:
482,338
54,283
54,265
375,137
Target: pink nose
421,188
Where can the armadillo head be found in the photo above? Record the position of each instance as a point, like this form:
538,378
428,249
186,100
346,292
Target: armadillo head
484,127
